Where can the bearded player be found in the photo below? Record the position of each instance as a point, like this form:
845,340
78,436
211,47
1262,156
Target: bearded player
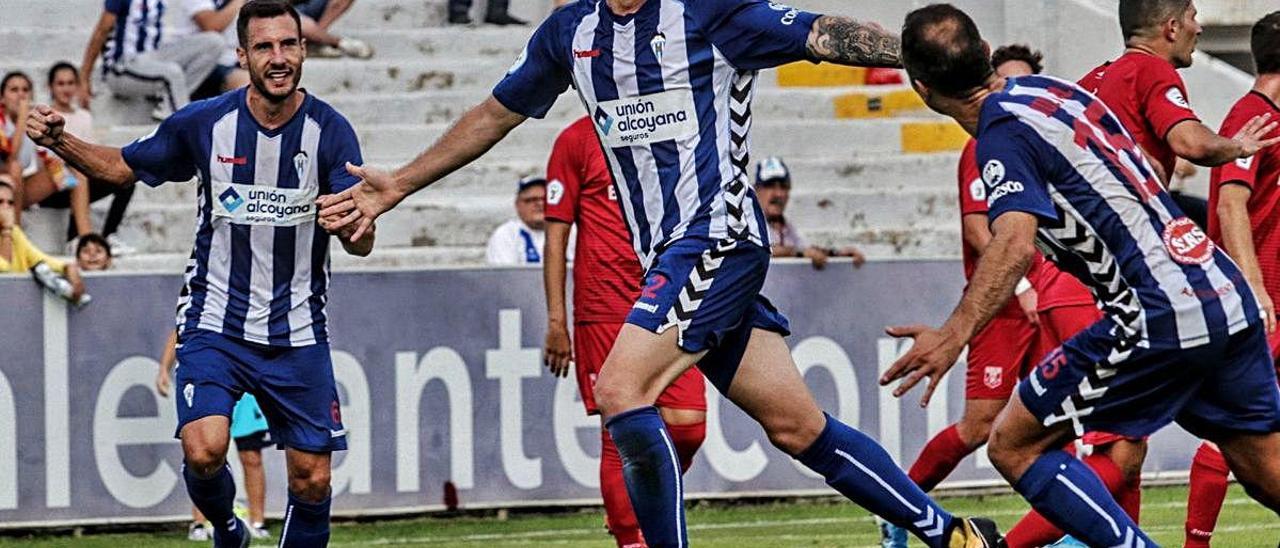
1048,308
252,318
1182,338
1244,218
606,281
668,85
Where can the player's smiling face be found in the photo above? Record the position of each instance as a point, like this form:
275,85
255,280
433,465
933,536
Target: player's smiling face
274,56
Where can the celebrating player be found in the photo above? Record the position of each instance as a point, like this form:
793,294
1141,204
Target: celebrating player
1243,197
606,281
668,85
1048,308
253,318
1182,339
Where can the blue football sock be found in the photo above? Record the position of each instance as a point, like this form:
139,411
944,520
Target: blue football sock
306,524
214,496
652,472
857,467
1066,492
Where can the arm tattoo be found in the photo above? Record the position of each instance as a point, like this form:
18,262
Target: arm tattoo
848,42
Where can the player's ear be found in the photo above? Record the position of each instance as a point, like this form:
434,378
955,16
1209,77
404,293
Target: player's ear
242,58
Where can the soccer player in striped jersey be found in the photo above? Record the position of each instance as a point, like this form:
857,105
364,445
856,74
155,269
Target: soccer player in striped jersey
252,317
668,85
1182,338
1243,197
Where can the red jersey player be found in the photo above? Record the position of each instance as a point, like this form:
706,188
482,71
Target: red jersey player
1244,218
1143,88
1048,308
606,283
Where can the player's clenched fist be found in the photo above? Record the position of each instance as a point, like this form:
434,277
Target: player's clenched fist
44,126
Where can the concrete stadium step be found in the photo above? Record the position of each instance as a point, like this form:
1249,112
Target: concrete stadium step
382,257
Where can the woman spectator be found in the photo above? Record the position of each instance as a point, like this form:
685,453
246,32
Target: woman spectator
18,255
31,182
77,191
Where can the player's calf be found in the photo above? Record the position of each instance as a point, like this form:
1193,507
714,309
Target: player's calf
306,521
1253,458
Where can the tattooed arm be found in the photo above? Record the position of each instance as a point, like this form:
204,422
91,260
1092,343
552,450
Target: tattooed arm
848,42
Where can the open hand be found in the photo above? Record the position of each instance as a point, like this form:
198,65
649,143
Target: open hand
1252,137
933,354
375,194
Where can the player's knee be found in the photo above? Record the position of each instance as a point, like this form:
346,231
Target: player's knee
790,435
973,432
203,460
251,459
613,399
309,484
1006,455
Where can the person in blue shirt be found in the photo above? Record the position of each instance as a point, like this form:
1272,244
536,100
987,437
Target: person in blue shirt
252,314
1181,338
668,85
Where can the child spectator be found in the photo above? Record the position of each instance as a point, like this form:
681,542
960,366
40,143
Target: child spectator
18,255
77,190
93,252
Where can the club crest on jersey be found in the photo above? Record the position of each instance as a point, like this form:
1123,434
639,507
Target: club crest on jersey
992,377
1186,243
993,172
300,161
1245,163
977,190
189,393
1175,96
555,192
658,44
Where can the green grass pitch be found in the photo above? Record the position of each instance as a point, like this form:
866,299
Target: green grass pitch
1244,524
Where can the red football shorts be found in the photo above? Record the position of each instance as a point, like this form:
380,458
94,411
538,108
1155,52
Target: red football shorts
591,345
1007,349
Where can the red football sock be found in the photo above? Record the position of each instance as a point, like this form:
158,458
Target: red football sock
938,458
1130,499
1204,501
617,506
687,438
1034,530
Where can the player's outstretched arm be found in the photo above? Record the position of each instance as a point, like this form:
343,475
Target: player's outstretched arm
1200,145
470,137
45,127
1002,264
849,42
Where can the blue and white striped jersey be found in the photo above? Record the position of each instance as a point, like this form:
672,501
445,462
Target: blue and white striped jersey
670,90
139,29
259,270
1049,148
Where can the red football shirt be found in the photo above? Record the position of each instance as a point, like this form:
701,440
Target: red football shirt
1147,94
606,272
1054,287
1261,173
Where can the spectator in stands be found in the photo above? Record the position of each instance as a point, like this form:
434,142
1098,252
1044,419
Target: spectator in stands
93,252
773,190
77,191
18,255
25,172
135,61
250,431
497,12
317,17
520,240
215,16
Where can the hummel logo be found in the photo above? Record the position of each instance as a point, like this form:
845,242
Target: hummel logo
581,54
233,160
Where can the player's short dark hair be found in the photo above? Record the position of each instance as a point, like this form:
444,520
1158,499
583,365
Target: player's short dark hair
93,238
1018,52
263,9
1140,15
1264,40
942,49
61,66
4,82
